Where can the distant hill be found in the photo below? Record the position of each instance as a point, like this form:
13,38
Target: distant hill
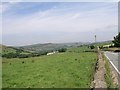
43,47
36,48
103,43
40,49
48,46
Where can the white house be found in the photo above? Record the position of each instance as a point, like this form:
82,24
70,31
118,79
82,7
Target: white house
107,46
50,53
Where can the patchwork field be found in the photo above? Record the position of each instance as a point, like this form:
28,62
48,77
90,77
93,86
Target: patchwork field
73,69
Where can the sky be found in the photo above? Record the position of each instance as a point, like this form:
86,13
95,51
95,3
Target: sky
25,23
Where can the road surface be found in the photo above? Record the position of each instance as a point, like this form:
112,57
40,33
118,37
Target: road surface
114,58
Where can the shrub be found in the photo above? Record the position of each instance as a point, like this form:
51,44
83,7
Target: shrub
116,40
62,50
92,47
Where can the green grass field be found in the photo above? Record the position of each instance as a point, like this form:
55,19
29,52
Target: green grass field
60,70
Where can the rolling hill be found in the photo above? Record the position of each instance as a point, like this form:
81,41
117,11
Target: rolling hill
6,49
44,47
40,49
9,52
48,46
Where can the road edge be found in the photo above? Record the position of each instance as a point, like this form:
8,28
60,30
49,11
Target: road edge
112,64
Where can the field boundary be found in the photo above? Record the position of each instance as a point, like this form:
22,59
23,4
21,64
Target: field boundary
99,80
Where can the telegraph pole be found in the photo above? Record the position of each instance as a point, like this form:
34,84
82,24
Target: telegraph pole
95,38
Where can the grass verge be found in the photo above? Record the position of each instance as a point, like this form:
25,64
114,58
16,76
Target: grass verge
108,75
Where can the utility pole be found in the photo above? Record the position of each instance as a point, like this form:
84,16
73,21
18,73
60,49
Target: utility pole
95,38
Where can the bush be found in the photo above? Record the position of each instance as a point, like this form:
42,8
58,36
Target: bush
101,47
117,51
116,40
24,55
62,50
92,47
10,55
19,55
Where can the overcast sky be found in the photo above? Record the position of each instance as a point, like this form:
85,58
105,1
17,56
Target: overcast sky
57,22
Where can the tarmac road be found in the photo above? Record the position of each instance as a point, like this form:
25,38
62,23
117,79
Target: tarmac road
114,59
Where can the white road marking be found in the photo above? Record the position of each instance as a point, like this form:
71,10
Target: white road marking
113,65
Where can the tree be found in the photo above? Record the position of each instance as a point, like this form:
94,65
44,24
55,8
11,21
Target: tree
10,55
62,50
116,40
92,46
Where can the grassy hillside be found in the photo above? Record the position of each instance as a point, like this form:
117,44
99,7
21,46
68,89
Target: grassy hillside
10,52
49,46
36,48
60,70
103,43
5,49
29,51
42,47
8,49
